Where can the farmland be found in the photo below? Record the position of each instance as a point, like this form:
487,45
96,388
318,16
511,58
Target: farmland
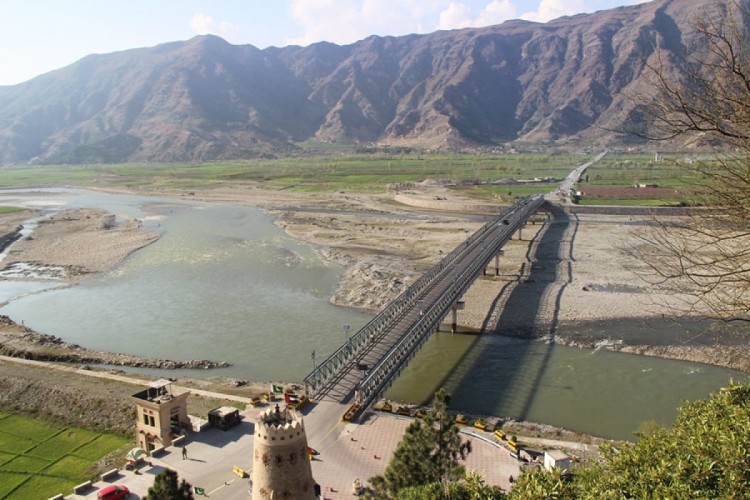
483,176
39,460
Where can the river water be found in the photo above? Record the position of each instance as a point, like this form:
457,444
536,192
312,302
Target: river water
224,283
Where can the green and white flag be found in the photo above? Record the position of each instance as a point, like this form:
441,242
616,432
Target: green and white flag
199,491
277,389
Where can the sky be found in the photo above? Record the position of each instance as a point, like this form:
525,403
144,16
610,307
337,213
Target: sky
37,36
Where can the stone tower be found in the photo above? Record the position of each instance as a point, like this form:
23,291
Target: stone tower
281,465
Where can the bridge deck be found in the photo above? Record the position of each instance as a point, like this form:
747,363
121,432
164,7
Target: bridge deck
391,339
369,364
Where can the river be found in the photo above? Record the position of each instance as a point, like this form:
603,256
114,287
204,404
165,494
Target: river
224,283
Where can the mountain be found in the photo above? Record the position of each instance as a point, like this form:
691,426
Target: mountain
204,99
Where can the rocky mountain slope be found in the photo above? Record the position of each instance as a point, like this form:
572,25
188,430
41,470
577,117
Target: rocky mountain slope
567,80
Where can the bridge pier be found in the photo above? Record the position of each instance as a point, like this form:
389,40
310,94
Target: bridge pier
411,317
454,314
497,261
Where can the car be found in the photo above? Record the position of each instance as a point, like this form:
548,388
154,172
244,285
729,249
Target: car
113,492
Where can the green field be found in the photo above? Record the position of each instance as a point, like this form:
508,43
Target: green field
40,460
372,172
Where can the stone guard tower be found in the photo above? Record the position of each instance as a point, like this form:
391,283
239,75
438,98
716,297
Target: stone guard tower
281,466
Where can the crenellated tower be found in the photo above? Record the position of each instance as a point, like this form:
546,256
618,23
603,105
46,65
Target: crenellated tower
281,465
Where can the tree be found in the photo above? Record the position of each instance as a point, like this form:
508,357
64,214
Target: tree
704,455
166,487
429,452
550,485
705,259
470,488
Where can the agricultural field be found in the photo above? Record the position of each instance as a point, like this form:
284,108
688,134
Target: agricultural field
484,176
40,460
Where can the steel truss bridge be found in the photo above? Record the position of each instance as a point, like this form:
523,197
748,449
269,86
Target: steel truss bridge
371,359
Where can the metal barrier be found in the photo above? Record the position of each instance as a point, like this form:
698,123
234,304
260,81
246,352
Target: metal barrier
382,375
514,217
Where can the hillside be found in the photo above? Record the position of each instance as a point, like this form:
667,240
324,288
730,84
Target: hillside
203,99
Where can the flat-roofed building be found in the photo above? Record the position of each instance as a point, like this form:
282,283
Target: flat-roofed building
160,415
557,458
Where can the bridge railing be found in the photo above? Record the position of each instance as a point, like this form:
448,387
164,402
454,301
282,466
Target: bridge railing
348,351
322,373
382,374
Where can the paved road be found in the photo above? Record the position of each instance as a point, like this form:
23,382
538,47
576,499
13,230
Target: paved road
352,452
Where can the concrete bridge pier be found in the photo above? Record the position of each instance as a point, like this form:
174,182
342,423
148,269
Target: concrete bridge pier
454,314
497,261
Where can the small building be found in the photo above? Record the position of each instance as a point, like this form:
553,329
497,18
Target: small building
224,418
160,415
557,458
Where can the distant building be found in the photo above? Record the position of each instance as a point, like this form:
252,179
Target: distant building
281,463
556,458
160,415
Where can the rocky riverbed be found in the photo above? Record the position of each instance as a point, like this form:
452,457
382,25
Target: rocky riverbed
571,270
68,247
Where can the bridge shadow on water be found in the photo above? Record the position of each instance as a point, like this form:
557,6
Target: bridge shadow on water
502,370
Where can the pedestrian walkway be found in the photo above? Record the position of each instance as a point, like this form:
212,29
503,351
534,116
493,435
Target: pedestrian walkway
364,450
176,389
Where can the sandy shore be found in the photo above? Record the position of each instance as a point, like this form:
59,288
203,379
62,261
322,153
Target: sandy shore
574,269
67,248
72,245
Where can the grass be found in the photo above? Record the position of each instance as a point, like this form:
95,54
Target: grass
39,460
8,210
336,169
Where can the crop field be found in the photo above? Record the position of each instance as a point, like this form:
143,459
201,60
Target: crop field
489,175
39,460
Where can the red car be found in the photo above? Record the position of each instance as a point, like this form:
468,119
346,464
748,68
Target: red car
114,492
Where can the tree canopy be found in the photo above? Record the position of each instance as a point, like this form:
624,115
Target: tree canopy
429,452
167,487
705,258
706,454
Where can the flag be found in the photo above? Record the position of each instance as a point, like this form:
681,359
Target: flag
199,491
277,389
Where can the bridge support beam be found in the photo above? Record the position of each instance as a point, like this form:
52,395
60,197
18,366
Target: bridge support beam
497,262
454,314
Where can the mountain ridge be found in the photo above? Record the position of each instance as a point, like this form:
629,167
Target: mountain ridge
205,99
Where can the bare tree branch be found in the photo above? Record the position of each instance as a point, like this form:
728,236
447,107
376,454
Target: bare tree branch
704,259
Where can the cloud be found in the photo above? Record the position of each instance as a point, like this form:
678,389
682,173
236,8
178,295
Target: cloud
203,24
552,9
458,15
346,21
496,12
